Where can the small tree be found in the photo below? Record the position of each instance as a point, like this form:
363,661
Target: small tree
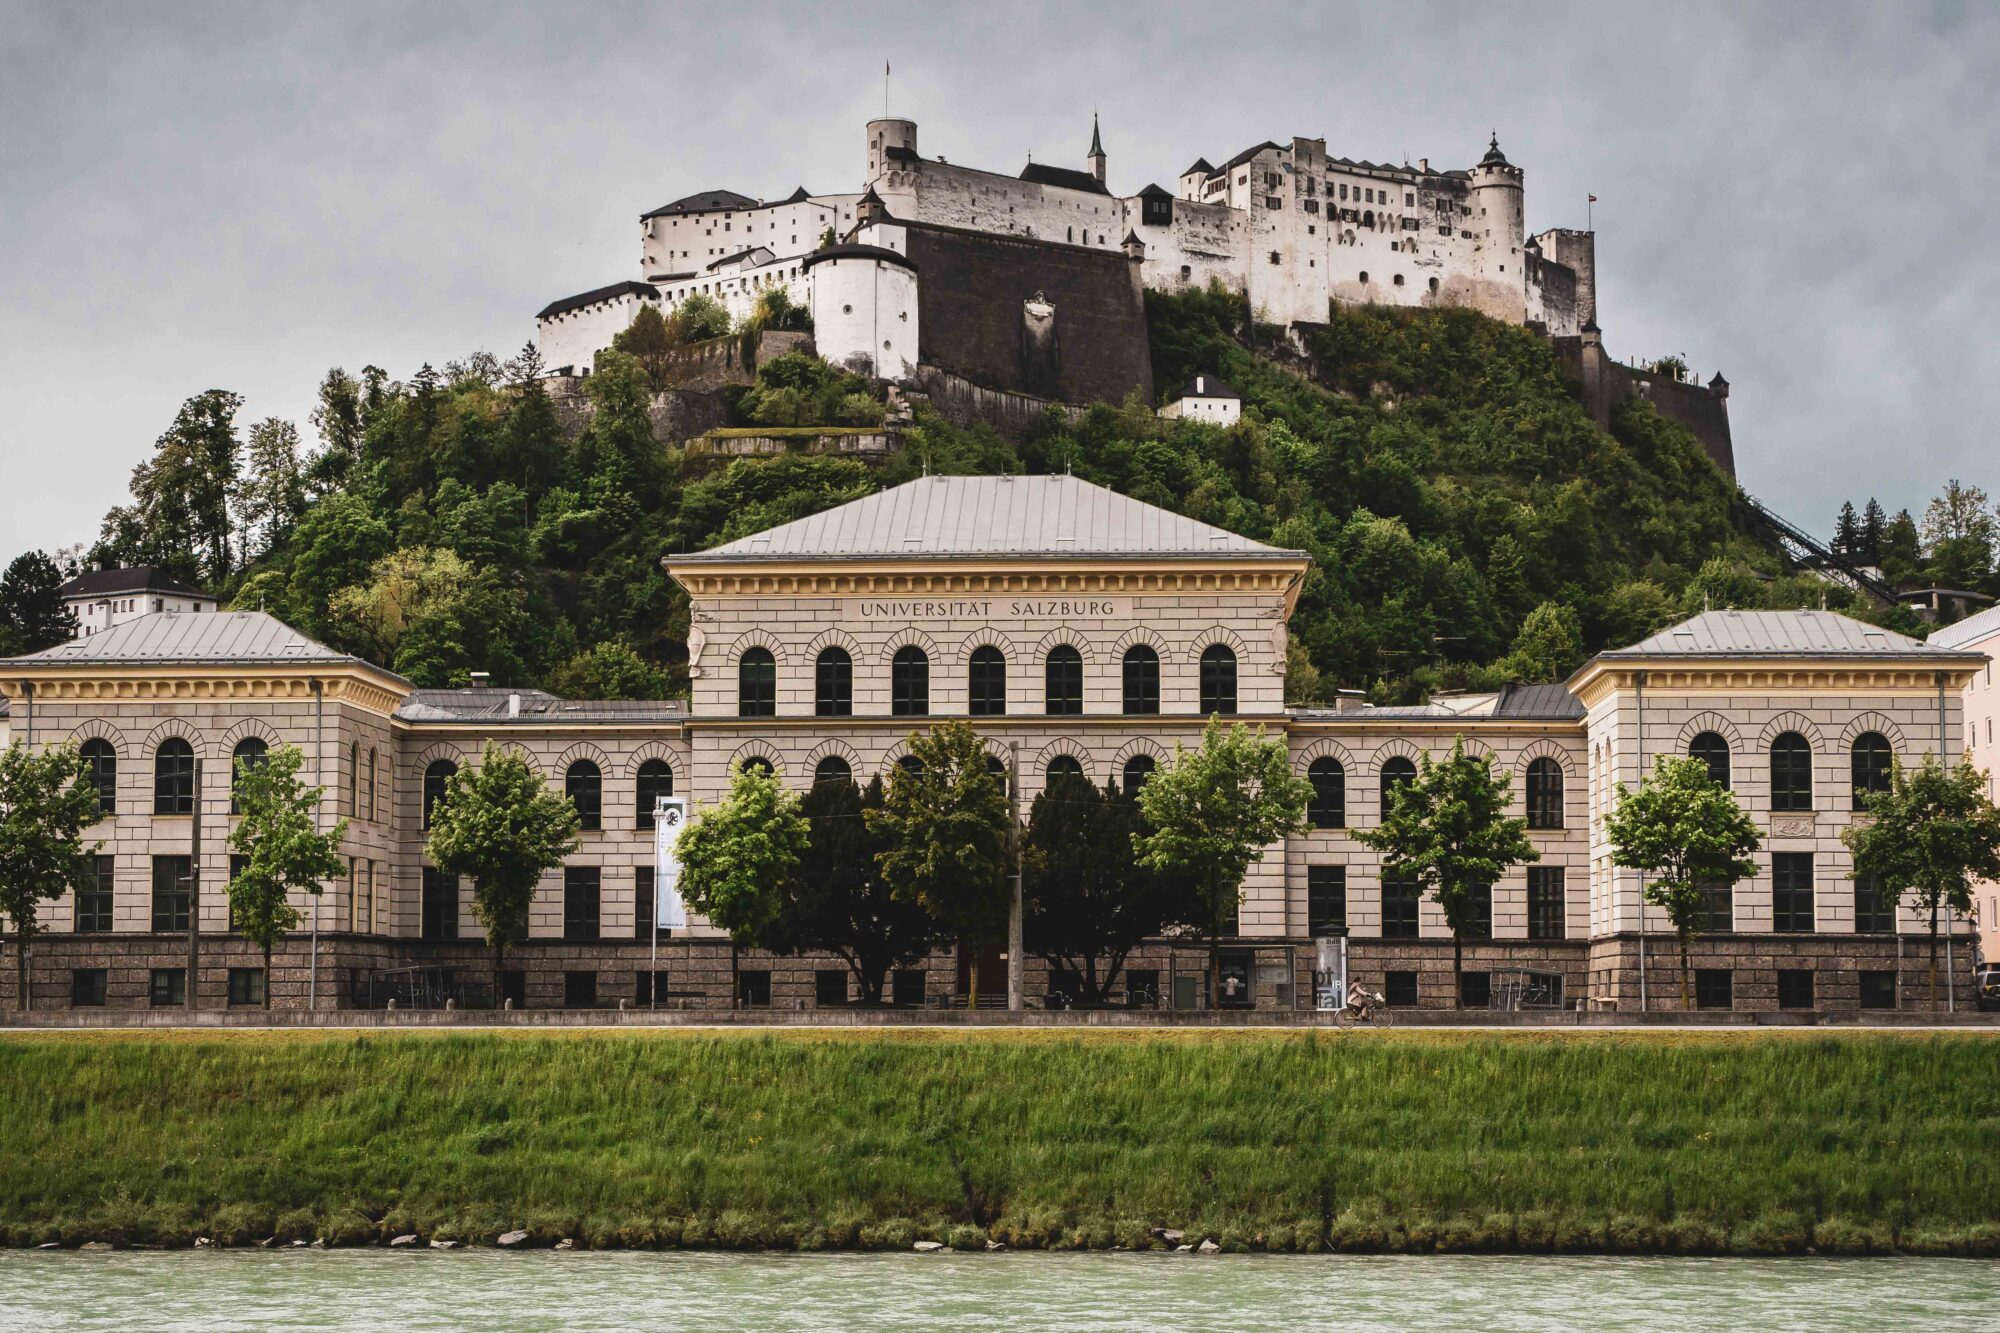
737,855
1932,834
1213,811
697,319
1448,830
1686,833
944,829
46,802
282,849
501,826
652,342
33,615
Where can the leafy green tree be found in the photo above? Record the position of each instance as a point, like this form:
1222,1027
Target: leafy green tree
1722,584
1448,830
282,847
944,825
502,827
610,670
434,618
337,418
1549,646
1213,811
335,545
648,340
1635,609
1901,550
1087,903
698,318
1929,836
775,311
531,447
737,856
32,613
271,496
1959,530
1686,833
46,802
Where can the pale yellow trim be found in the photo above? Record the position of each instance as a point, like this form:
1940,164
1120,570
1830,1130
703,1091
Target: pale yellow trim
1598,681
834,578
360,686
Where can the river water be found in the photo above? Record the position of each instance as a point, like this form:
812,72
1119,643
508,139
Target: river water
492,1289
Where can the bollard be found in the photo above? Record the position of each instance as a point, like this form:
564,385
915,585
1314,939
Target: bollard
623,1004
450,1005
507,1005
392,1002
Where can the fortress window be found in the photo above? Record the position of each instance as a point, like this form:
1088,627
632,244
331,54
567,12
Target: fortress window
833,679
1397,280
1277,258
1343,192
584,785
1791,773
1328,806
1364,277
986,683
1062,680
1434,286
910,683
656,779
756,684
1218,680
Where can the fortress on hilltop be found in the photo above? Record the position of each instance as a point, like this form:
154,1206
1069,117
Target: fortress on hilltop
1034,283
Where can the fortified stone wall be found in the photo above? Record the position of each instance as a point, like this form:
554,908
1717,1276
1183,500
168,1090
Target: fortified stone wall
963,403
1603,382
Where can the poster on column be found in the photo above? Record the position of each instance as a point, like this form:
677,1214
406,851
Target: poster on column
669,818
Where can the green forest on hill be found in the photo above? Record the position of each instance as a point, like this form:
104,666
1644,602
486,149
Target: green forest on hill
1470,523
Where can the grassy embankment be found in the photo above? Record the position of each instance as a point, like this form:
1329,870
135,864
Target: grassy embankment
1742,1143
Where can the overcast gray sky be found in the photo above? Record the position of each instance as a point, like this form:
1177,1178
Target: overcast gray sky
238,196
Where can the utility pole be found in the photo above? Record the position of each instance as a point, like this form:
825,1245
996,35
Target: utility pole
194,895
1015,982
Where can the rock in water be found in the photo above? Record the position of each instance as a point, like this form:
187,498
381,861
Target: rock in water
444,1244
513,1238
95,1245
1207,1247
565,1244
403,1240
928,1246
1171,1235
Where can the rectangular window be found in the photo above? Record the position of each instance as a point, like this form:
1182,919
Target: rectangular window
1475,990
579,990
1721,908
440,905
514,987
1792,891
246,986
1479,926
169,987
1713,989
1326,899
1548,914
830,987
1878,990
649,988
753,988
93,898
1399,909
87,987
582,896
173,890
1399,989
906,988
1795,988
1873,914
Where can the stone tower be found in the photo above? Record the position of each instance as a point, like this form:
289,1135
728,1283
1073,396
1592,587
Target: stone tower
884,135
1498,221
1096,157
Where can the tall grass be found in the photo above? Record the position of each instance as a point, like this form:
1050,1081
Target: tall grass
1412,1141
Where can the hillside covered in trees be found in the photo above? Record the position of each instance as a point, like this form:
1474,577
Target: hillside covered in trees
1470,524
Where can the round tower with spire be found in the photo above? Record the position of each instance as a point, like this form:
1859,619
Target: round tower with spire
1096,156
1499,221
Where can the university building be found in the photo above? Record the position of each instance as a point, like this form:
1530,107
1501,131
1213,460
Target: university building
1074,627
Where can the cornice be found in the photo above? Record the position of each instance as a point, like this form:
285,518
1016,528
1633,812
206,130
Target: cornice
165,682
824,578
1599,680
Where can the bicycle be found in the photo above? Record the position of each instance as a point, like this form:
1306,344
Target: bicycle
1373,1012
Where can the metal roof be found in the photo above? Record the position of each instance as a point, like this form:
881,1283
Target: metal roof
708,201
1206,386
224,638
489,704
1970,630
595,295
973,517
1777,634
139,578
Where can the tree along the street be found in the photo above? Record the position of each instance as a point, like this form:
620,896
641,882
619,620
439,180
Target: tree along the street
1926,839
944,827
736,857
282,848
47,800
500,826
1213,811
1448,831
1088,902
1685,832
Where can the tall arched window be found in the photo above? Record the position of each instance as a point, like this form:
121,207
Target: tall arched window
1872,760
757,763
910,683
1328,806
833,684
1218,680
1791,773
1142,680
1137,769
373,811
252,752
1063,766
173,778
910,764
1395,772
986,683
756,683
832,769
354,780
437,777
1712,750
584,786
100,762
1062,681
1545,793
655,779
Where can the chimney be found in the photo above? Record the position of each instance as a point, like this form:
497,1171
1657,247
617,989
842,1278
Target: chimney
513,705
1423,164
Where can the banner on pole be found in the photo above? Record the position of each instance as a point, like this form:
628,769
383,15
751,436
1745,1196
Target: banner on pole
669,818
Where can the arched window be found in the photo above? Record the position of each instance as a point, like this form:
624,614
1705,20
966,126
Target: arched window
1545,793
100,762
756,683
1137,769
833,684
757,763
354,780
1142,680
1872,760
832,769
656,779
252,752
1063,765
1062,681
173,778
997,769
1327,807
1791,773
373,811
1218,680
910,683
437,777
986,683
1712,750
910,764
1395,772
584,786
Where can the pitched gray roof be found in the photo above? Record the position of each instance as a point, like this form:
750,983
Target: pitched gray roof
139,578
708,201
945,518
223,638
594,295
490,704
1967,631
1777,634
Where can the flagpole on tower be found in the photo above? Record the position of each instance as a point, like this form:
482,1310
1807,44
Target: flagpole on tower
1590,213
885,90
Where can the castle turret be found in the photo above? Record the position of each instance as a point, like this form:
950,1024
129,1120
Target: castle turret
891,142
1719,386
1096,157
864,309
1499,219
